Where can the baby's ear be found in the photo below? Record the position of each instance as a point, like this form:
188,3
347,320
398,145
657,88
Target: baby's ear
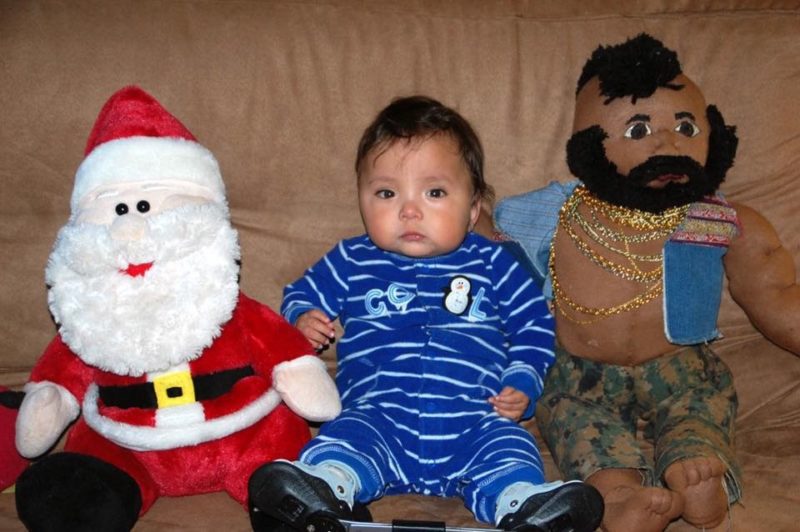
476,211
485,224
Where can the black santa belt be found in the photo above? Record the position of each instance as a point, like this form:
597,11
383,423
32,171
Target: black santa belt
173,389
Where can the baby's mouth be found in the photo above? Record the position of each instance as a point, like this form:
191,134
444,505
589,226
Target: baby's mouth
412,236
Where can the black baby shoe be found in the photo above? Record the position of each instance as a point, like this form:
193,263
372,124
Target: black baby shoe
284,497
571,507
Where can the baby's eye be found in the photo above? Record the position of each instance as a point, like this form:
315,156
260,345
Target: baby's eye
385,194
688,128
437,193
638,130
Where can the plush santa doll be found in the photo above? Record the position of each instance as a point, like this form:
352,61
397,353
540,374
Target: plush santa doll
180,383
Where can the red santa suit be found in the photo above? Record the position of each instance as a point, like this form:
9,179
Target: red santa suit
212,422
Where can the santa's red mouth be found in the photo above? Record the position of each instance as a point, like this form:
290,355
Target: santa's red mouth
137,270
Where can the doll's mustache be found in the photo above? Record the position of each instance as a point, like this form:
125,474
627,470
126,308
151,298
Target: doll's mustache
661,165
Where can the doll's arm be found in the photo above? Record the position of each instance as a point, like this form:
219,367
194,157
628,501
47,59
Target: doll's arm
282,352
306,387
762,280
52,399
44,414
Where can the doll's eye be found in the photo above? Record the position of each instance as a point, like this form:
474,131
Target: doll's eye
143,206
121,209
688,128
637,131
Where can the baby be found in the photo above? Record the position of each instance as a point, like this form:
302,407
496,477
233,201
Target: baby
446,343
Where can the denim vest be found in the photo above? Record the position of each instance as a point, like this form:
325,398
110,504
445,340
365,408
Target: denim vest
692,258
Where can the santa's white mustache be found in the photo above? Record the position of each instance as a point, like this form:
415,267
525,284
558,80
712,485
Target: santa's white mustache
90,249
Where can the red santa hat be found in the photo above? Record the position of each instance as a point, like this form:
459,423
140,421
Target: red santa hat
135,140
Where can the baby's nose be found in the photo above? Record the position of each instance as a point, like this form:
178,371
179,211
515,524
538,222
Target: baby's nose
410,209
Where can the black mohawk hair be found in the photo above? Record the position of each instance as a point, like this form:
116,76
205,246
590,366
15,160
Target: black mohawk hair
635,68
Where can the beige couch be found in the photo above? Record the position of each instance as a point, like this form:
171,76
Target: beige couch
280,91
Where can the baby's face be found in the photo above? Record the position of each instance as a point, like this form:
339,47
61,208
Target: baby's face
416,197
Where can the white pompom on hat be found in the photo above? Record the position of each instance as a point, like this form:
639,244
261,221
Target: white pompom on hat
136,140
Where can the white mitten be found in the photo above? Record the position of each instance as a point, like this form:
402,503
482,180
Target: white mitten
305,386
44,414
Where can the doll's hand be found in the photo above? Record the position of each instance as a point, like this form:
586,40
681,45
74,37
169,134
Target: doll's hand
44,414
306,387
510,403
317,328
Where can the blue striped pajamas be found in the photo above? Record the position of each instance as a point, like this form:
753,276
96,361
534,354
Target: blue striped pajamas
421,353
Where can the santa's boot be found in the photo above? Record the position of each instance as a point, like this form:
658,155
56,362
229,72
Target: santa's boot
557,507
76,493
285,497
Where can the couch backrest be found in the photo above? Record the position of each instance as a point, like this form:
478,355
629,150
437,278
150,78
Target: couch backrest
280,92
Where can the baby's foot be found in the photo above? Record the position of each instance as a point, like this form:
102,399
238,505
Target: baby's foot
640,509
700,481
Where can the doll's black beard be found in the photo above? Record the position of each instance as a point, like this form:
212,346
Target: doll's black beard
587,161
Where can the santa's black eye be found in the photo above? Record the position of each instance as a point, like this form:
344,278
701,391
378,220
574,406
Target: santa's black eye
143,206
637,131
121,209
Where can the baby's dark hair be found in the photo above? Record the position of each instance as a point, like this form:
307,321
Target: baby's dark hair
421,117
635,68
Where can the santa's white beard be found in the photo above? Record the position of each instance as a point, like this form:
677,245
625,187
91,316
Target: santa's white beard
135,325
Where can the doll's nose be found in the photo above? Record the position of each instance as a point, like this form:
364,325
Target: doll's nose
667,143
129,227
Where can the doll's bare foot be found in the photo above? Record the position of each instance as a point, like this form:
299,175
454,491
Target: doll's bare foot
631,507
700,481
640,509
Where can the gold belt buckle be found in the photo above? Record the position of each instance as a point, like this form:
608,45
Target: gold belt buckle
174,389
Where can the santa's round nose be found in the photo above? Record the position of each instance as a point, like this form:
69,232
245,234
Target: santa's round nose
131,226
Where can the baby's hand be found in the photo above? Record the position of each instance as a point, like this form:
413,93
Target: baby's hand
510,403
317,328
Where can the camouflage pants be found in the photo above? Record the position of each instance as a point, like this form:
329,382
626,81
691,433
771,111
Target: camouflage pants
683,402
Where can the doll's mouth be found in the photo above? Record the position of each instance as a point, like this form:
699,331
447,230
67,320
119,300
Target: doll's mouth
668,178
663,180
137,270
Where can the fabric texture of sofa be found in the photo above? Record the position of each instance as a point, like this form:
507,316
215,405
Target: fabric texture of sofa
280,92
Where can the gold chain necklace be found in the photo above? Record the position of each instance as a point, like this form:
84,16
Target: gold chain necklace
609,233
653,226
565,217
667,220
